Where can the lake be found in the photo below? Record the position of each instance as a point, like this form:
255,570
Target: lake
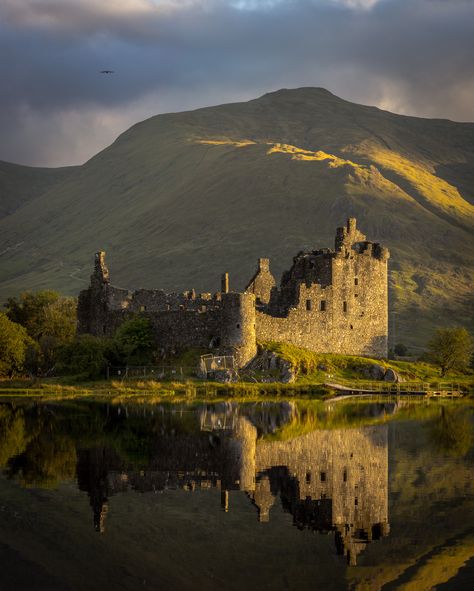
257,495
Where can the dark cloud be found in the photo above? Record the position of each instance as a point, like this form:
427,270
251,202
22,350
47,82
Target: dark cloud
410,56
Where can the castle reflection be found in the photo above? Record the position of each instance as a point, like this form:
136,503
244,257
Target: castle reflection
328,480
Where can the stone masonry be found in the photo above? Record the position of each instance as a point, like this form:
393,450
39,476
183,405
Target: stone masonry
333,301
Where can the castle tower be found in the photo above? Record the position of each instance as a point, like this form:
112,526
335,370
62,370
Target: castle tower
238,326
101,272
92,302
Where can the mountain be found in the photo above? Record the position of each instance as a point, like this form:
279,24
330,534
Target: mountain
181,197
20,184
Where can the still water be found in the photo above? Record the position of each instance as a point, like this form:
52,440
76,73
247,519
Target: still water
287,495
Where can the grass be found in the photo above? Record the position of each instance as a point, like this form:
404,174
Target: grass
313,371
152,391
310,155
434,192
322,368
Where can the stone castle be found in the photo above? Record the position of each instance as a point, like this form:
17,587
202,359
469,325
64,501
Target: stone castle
332,301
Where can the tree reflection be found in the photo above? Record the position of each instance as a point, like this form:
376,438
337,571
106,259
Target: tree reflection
451,432
42,460
13,439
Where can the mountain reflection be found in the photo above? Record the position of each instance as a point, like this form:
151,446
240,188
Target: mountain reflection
328,480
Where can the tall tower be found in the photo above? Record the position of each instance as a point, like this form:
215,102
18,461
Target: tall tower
238,336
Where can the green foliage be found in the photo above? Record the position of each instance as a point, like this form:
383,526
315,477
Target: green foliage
400,349
29,310
49,319
450,348
44,313
14,343
86,356
134,341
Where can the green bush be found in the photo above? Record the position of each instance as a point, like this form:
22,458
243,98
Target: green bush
134,342
400,349
14,344
86,356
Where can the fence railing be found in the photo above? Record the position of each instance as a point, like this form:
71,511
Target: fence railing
216,362
426,388
150,372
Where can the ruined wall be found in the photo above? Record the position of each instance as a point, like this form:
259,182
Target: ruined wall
328,301
262,283
332,301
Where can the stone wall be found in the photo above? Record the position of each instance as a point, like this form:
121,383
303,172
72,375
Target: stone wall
328,301
262,283
332,301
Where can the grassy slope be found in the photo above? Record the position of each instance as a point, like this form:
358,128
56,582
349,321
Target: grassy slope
180,198
21,184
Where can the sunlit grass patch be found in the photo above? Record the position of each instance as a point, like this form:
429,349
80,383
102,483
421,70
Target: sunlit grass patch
309,155
226,142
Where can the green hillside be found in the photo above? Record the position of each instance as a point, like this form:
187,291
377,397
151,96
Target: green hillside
20,184
180,198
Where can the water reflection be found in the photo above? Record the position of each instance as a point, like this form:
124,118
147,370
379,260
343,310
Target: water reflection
329,480
325,469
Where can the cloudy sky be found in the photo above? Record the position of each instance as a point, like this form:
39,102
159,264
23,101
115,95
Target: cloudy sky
408,56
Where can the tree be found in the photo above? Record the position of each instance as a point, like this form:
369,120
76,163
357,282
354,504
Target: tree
14,343
29,310
85,356
450,348
49,319
134,341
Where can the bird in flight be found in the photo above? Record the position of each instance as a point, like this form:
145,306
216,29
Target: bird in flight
107,72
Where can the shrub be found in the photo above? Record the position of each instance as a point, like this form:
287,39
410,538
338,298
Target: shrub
134,341
86,356
400,349
14,343
450,348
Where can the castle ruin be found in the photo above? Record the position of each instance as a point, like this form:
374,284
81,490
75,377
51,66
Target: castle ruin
331,301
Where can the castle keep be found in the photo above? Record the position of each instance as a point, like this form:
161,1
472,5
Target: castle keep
329,301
